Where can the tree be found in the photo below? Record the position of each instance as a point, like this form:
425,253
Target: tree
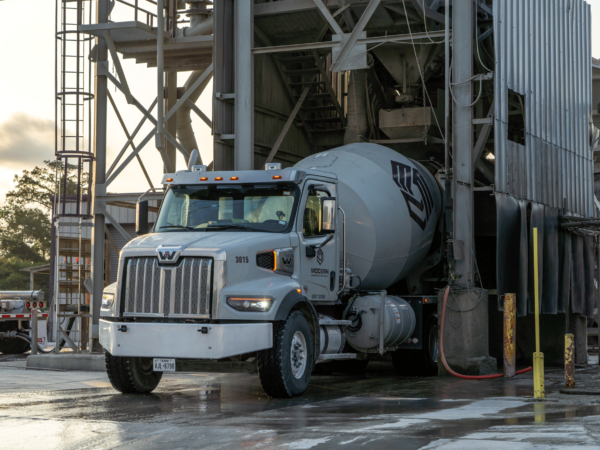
37,186
12,279
24,233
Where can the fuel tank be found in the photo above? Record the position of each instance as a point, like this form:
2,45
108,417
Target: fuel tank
392,205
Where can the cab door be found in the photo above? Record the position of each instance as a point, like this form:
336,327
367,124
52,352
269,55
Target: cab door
319,254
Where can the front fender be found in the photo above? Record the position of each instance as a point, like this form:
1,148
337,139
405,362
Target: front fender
295,301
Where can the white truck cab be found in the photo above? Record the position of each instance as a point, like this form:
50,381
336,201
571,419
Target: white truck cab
245,271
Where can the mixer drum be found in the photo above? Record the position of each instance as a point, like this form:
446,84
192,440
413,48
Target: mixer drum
392,206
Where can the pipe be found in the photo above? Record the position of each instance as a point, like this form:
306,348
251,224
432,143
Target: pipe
201,24
357,121
24,337
185,132
343,251
198,26
452,372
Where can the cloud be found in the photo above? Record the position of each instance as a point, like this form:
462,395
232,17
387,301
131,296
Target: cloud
26,141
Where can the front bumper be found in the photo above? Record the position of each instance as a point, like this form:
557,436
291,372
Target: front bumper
172,340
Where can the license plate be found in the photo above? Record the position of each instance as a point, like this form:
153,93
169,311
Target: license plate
164,365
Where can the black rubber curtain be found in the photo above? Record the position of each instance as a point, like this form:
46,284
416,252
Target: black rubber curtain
566,260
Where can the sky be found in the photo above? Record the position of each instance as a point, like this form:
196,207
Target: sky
27,91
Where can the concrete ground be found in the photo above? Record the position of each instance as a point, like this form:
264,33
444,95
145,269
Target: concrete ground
79,410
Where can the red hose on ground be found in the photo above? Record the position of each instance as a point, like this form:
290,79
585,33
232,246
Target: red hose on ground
466,377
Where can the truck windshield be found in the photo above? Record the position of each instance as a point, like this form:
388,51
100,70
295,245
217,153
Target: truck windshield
266,207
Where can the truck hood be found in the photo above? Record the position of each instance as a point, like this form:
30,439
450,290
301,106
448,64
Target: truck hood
221,240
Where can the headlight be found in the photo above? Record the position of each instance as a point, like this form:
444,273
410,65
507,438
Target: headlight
107,301
250,304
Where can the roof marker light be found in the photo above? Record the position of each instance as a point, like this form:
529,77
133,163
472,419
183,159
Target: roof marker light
234,178
277,177
203,178
168,180
218,178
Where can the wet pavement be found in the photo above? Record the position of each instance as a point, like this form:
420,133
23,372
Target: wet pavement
79,410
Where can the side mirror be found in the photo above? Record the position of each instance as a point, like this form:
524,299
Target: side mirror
328,208
141,217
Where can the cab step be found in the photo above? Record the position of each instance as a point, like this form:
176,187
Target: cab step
336,356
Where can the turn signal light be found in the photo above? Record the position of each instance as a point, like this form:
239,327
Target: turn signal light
299,291
34,304
277,177
41,304
203,178
425,301
234,178
168,180
218,178
28,305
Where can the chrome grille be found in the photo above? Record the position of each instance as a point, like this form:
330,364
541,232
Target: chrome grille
181,291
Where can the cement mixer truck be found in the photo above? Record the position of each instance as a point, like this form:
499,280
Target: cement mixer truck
323,266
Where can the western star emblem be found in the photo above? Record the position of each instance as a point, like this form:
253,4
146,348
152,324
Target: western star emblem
407,177
168,255
320,256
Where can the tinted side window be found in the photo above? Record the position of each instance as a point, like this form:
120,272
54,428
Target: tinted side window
312,214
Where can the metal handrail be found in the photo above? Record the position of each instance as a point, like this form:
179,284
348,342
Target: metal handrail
343,252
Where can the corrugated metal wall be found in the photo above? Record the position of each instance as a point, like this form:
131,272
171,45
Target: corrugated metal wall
543,51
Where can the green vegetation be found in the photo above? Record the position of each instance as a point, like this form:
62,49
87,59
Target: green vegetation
25,223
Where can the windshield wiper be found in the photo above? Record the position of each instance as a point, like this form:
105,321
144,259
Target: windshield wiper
177,226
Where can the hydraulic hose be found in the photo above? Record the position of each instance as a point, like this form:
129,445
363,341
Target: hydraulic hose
458,375
25,337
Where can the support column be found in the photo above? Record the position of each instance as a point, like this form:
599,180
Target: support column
462,137
244,85
101,104
171,125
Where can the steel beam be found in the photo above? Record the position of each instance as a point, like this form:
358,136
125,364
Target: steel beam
287,125
328,17
98,188
199,112
114,223
352,40
396,38
462,136
129,139
244,85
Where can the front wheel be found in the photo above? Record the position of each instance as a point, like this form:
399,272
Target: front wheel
285,368
131,375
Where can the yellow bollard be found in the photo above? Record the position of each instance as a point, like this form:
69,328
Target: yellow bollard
569,360
538,357
510,336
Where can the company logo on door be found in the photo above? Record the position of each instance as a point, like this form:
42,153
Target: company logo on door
420,205
320,256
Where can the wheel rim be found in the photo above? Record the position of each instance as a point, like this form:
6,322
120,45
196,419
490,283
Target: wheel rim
434,343
298,354
146,366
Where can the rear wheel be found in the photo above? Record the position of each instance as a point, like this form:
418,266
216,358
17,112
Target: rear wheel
131,375
14,346
285,368
420,362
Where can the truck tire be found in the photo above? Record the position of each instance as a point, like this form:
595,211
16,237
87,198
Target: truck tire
422,362
14,346
130,375
285,369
